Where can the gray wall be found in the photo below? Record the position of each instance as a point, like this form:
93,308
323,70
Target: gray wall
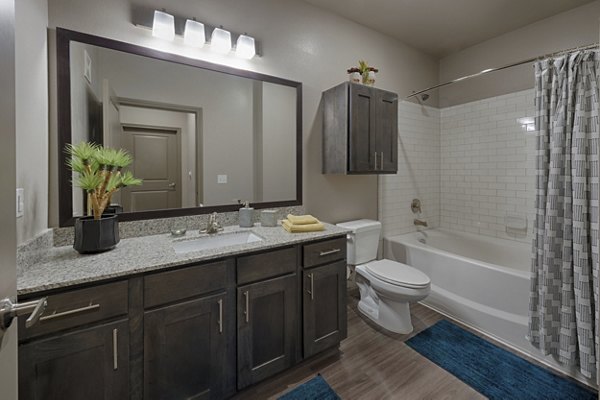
299,42
569,29
32,115
8,243
278,147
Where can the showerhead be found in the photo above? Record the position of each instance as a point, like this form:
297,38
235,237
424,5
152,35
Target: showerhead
424,96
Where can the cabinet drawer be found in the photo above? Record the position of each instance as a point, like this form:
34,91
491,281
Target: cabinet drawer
79,307
166,287
324,252
266,265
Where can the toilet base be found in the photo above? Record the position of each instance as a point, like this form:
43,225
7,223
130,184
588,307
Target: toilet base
392,317
390,314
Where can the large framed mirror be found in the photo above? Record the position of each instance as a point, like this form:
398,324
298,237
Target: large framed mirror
203,136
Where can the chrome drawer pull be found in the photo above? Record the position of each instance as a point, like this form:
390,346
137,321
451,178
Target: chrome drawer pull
220,315
312,286
115,349
328,252
247,310
70,312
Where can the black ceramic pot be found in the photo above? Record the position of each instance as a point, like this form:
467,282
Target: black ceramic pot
95,236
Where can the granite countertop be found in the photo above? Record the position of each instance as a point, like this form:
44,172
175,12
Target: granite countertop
65,267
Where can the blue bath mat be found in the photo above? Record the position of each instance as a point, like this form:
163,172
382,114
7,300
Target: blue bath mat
315,389
492,371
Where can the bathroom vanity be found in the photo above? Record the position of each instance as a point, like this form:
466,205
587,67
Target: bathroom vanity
144,321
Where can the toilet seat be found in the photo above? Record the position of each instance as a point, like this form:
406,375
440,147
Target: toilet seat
398,274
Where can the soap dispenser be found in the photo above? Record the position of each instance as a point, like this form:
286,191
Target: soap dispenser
246,214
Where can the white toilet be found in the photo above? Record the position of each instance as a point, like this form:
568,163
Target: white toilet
386,287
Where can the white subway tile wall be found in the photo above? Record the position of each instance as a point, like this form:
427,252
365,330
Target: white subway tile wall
488,166
418,171
472,166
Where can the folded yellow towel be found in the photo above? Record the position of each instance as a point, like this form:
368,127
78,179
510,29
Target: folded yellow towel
292,228
302,219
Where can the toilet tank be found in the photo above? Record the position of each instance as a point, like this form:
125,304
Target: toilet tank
363,241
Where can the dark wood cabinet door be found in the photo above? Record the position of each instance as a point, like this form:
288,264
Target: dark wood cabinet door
363,125
387,132
267,328
324,299
91,364
185,353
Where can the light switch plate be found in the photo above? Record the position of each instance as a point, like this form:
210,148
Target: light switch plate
20,202
221,178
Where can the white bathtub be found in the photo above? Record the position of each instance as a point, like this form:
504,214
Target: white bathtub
479,280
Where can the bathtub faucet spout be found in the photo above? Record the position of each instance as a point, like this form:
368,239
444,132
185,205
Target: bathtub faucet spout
420,222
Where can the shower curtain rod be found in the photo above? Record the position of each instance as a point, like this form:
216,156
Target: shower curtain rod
487,71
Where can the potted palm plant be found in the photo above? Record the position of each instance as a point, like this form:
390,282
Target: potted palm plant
101,174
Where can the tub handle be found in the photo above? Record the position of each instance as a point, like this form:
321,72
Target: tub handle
329,252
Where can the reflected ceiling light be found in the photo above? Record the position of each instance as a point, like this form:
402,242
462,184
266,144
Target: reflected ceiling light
163,26
245,47
220,41
194,33
527,123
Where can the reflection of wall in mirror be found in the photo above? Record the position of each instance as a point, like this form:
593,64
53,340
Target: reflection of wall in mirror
279,145
85,118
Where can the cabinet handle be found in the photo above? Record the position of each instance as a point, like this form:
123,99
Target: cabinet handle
312,286
115,349
70,312
375,160
247,311
381,157
328,252
220,315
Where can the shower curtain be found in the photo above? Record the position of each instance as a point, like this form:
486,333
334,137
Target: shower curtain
564,306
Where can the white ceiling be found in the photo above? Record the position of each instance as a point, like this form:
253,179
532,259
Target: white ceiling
442,27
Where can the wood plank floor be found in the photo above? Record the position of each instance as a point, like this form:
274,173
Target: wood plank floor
373,364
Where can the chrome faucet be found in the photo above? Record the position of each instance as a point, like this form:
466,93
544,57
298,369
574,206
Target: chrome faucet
213,225
420,222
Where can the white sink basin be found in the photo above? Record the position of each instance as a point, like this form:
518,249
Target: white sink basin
215,241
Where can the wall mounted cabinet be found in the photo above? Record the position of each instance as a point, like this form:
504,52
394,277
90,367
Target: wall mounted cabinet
360,130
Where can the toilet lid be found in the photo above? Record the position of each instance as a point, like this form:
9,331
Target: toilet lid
398,274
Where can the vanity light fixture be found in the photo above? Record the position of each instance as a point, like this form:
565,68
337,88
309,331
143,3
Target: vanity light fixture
163,25
221,41
245,47
167,26
193,35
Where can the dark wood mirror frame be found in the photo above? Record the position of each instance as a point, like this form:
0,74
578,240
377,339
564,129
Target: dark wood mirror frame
65,197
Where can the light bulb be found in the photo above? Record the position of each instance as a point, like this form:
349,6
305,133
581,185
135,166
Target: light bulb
163,26
245,47
221,41
194,33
